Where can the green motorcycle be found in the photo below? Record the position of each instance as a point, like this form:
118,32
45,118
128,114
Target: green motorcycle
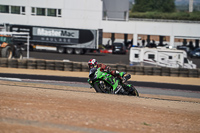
104,82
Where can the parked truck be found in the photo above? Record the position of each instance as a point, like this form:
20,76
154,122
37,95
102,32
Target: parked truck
8,48
160,57
64,40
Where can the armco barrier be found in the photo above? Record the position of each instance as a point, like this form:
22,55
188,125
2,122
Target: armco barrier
156,71
41,64
165,71
59,65
50,65
4,62
22,64
13,63
82,67
31,64
68,66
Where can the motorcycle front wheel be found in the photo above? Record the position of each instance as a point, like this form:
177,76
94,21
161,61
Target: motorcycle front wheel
134,92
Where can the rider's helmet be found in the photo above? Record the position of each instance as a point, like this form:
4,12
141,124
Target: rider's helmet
92,63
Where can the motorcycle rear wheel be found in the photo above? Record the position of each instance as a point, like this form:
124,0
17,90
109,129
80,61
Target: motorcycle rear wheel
97,88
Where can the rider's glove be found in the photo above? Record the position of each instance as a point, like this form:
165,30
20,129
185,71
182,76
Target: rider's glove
108,69
123,80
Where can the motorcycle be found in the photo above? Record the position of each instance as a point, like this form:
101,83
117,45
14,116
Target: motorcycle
103,82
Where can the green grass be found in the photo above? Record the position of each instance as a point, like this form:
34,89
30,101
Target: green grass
144,123
194,16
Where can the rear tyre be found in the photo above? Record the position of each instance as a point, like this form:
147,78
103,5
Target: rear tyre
7,52
97,88
69,51
78,51
18,54
60,50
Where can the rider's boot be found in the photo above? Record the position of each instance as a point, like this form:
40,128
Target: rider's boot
126,78
122,78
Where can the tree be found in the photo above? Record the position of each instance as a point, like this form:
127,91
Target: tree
154,5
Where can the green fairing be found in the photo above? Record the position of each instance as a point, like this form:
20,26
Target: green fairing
106,83
106,77
121,74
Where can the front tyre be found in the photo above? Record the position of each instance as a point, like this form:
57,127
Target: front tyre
133,91
7,52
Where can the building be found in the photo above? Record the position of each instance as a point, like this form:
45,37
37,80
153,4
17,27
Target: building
109,15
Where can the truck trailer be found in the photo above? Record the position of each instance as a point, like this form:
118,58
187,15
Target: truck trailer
64,40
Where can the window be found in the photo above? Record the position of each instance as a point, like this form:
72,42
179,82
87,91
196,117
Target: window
125,15
105,15
6,39
185,60
46,12
33,11
23,9
151,56
170,57
41,11
136,55
15,9
12,9
59,13
51,12
4,9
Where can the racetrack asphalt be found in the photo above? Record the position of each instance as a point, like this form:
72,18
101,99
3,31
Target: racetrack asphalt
84,80
177,83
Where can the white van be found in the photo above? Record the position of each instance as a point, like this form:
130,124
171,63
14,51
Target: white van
160,57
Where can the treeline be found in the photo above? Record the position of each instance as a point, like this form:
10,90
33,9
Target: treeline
160,9
194,16
154,5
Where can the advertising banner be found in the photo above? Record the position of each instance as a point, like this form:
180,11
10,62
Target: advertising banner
55,35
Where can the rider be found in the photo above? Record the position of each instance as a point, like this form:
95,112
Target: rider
92,63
